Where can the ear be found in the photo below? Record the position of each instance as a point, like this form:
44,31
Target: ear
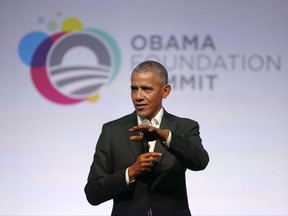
166,90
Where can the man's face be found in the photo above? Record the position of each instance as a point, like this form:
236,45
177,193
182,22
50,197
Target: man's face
147,94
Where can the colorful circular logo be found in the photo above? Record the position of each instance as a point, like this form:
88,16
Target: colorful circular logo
72,65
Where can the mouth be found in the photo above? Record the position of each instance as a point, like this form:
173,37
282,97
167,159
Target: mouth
140,106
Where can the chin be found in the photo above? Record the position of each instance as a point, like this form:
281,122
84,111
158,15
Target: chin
141,114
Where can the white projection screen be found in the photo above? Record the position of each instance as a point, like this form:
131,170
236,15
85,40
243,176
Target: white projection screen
227,62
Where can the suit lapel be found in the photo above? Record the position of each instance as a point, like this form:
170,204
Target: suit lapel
135,146
166,123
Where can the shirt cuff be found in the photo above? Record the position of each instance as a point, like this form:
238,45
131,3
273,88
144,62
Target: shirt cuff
167,143
127,177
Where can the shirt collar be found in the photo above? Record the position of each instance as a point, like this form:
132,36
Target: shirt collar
156,121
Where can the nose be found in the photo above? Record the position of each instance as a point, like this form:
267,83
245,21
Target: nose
139,95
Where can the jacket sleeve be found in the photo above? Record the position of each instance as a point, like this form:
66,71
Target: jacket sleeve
186,145
103,183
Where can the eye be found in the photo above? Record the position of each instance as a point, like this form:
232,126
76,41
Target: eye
134,88
147,88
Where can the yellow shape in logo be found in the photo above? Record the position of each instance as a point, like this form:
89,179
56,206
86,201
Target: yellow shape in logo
72,24
94,98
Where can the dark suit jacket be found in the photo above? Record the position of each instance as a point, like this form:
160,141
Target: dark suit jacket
164,189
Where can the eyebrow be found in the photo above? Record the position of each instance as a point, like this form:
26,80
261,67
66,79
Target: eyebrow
144,87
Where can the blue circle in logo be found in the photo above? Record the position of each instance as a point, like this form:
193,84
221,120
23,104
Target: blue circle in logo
28,45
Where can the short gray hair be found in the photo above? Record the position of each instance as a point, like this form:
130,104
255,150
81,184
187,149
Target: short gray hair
154,67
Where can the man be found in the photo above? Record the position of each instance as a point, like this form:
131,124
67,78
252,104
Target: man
146,182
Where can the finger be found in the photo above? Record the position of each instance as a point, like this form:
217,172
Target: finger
140,128
132,129
136,138
149,161
154,154
148,166
136,128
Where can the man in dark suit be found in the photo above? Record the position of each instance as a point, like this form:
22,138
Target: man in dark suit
151,181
